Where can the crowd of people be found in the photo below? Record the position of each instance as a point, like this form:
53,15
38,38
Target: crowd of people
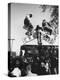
34,60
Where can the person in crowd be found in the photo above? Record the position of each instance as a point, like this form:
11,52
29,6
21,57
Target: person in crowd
16,72
27,23
28,69
42,70
46,27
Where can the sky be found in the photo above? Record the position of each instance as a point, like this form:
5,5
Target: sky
18,13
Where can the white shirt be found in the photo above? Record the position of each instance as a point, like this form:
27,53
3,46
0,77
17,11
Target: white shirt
16,72
31,74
